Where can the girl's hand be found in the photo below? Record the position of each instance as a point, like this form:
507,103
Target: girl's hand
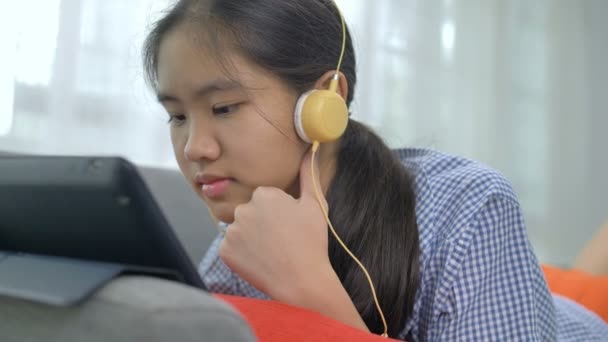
278,243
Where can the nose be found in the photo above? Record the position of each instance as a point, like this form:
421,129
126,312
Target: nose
201,143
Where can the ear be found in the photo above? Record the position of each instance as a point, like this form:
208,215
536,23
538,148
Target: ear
323,83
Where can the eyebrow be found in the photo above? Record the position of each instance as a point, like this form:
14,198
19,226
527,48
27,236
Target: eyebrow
206,89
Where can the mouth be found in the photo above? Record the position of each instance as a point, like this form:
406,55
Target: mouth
212,186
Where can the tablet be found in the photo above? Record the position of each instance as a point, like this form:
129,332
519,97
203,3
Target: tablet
92,209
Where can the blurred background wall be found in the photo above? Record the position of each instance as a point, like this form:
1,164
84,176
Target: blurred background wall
518,84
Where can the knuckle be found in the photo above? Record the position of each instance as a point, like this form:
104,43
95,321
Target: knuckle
263,192
259,191
275,192
239,212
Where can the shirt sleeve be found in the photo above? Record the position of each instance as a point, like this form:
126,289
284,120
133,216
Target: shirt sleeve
495,289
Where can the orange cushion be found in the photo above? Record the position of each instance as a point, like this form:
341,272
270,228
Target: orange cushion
586,289
274,321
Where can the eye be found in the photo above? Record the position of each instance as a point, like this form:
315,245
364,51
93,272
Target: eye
226,109
176,119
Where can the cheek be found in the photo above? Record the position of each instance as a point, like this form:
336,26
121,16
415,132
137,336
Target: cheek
287,171
271,152
270,162
178,140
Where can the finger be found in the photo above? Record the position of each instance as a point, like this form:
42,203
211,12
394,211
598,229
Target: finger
238,213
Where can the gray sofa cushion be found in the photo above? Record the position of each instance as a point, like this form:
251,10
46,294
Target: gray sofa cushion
185,211
127,309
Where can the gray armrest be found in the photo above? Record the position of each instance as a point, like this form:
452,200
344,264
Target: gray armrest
185,211
130,308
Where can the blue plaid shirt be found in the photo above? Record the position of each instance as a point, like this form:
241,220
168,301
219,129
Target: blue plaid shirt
480,279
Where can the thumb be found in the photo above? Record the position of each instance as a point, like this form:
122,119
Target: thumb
308,183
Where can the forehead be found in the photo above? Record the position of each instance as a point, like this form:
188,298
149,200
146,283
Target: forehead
187,58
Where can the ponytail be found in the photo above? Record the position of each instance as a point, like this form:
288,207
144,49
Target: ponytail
372,205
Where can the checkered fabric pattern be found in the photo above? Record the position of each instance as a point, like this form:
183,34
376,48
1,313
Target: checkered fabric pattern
480,279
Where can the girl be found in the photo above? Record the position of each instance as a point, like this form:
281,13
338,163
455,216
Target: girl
442,237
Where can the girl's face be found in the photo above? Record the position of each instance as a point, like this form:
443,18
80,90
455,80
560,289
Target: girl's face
229,135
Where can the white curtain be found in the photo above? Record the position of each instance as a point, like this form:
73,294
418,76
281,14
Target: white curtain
517,84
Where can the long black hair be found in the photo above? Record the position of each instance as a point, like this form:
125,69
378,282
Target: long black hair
371,197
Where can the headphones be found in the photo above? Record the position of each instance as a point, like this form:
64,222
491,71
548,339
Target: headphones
322,115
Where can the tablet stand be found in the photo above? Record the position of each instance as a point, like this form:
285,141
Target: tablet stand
52,280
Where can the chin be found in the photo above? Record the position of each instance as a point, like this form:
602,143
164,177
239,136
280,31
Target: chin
224,212
228,219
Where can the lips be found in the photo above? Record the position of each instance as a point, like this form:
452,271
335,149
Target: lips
213,186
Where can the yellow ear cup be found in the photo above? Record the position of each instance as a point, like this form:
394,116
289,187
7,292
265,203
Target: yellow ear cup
321,115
